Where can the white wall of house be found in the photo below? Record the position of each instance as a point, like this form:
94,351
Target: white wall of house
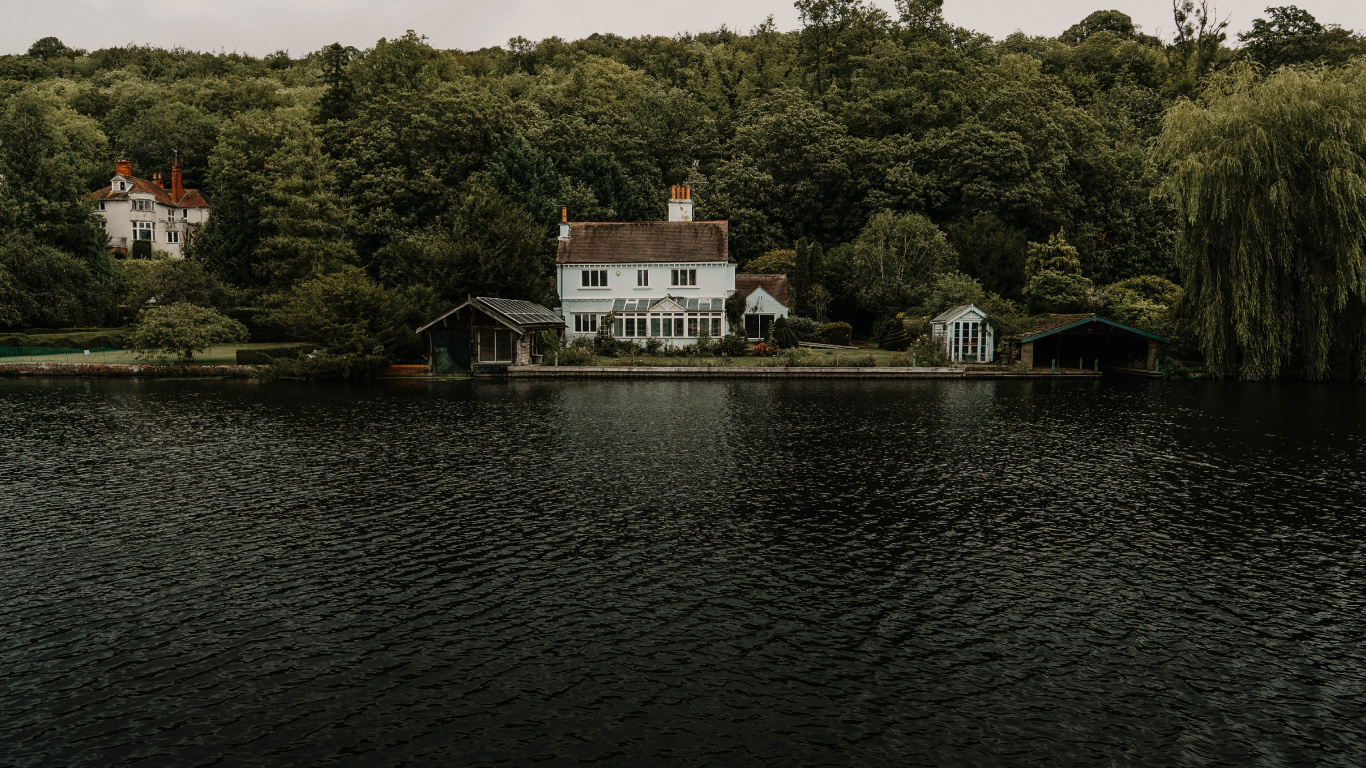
584,306
141,217
763,309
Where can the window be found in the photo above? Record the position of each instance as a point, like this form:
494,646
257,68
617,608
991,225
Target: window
593,278
495,346
967,341
172,237
123,186
142,205
682,277
642,278
184,213
586,323
142,230
756,326
100,207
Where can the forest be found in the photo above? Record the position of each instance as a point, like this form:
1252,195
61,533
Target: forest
1208,188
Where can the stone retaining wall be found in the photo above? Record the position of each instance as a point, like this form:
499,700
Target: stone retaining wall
775,372
108,369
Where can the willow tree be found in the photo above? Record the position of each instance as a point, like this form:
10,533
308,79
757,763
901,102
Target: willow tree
1268,176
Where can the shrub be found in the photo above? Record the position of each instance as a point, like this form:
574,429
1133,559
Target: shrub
890,333
180,330
783,335
924,352
839,333
142,249
805,328
579,352
734,346
1051,291
322,365
762,349
268,355
652,345
610,346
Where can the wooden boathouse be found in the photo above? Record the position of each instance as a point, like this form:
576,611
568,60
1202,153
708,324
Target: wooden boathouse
486,335
1086,342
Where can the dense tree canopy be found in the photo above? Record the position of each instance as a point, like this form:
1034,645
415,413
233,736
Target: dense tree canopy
887,153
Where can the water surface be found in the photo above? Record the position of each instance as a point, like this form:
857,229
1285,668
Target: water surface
855,573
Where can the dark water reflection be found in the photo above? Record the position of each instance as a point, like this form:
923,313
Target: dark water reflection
681,573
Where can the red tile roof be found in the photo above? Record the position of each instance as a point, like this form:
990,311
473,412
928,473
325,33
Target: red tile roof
614,242
775,285
190,198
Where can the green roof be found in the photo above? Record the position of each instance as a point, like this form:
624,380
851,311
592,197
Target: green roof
1059,323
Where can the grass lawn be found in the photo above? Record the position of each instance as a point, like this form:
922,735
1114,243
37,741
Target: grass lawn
218,354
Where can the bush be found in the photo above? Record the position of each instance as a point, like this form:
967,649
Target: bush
610,346
805,328
180,330
924,352
652,345
762,349
890,333
733,346
839,333
321,366
783,335
1051,291
268,355
579,352
142,249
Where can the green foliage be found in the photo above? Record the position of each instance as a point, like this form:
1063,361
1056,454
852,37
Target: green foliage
1269,178
175,281
180,330
731,346
991,252
783,334
1054,256
895,256
347,312
41,285
839,333
1050,291
1293,36
735,313
805,328
268,355
322,366
780,262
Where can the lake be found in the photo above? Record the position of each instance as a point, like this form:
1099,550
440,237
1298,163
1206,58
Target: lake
786,572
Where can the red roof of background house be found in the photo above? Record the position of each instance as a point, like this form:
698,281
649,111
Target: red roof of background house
612,242
775,285
189,198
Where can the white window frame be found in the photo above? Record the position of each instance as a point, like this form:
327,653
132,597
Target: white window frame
184,213
172,237
101,206
143,205
642,278
123,186
683,278
586,323
144,226
593,278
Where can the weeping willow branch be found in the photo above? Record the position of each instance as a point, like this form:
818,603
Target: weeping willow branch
1268,175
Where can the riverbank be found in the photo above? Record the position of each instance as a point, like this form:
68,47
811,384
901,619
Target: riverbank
118,369
780,372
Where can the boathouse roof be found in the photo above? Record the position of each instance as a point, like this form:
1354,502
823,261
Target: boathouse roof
1047,325
520,316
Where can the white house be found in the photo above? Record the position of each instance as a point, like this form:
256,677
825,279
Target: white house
666,279
132,209
766,300
965,334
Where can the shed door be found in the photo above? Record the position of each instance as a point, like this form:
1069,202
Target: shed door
450,352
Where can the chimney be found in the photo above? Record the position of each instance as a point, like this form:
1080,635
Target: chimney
177,191
680,203
156,179
123,167
564,223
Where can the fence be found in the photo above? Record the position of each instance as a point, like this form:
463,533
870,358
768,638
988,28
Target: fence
68,355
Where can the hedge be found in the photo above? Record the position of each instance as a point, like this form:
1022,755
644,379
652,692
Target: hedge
268,355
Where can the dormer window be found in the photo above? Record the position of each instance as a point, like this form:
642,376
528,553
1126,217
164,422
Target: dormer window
123,186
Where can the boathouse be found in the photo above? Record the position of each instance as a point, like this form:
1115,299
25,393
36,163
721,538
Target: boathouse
487,335
1087,342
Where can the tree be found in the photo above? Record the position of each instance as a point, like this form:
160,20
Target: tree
991,252
304,232
181,330
1056,256
345,311
1115,22
1293,36
895,258
1268,177
338,101
175,281
50,48
780,262
735,313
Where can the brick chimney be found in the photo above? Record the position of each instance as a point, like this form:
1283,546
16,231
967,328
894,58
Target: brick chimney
177,191
564,223
156,179
680,203
123,167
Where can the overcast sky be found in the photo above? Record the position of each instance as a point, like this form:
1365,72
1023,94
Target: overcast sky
259,27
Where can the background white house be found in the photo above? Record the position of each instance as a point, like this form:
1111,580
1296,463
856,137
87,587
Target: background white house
133,209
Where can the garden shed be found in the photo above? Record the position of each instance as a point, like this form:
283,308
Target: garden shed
488,334
965,334
1086,341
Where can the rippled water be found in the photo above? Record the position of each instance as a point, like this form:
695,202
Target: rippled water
681,573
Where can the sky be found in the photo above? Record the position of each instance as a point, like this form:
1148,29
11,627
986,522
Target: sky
259,27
